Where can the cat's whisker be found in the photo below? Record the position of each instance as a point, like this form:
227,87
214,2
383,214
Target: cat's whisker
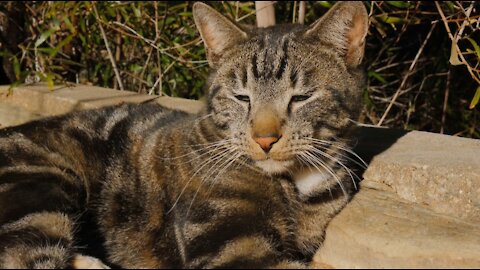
315,160
208,174
226,153
193,176
204,117
211,143
244,163
215,145
220,172
202,155
304,161
343,156
348,170
217,159
335,145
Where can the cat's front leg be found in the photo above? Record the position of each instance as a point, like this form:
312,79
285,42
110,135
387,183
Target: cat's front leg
37,241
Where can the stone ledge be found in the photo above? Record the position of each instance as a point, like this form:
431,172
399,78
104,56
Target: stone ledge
418,205
39,100
380,230
436,171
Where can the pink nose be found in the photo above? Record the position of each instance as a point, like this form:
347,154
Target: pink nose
266,143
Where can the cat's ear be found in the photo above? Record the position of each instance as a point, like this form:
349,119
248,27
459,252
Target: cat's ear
218,32
344,27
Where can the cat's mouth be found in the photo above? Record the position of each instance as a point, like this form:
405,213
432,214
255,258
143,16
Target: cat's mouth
273,166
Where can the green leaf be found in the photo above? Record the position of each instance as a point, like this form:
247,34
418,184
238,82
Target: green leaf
83,26
12,86
16,67
475,46
49,80
44,36
50,51
400,4
185,14
450,5
60,45
325,4
391,20
69,25
377,76
137,12
475,99
169,20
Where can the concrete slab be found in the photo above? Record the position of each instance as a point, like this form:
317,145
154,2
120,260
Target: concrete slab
11,115
39,99
433,170
380,230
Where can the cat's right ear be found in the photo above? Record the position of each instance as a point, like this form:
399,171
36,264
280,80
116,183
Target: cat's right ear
218,32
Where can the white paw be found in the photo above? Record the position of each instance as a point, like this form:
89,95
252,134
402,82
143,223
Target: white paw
87,262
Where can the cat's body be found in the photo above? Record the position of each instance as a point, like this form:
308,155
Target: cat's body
239,185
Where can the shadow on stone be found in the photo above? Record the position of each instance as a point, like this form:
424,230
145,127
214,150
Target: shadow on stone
373,141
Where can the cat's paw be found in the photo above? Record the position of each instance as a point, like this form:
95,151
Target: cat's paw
87,262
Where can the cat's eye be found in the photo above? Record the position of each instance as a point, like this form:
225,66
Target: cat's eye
299,98
243,98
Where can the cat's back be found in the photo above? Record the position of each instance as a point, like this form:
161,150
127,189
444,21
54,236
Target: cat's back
101,124
76,141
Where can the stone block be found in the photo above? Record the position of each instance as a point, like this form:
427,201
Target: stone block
40,100
377,229
436,171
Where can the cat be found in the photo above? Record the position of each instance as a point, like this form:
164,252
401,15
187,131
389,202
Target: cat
251,182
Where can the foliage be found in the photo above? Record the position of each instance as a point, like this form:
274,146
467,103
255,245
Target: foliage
419,75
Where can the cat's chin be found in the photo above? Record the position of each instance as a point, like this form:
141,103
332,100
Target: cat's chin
272,166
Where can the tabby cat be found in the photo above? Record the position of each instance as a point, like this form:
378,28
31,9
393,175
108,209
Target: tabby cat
250,182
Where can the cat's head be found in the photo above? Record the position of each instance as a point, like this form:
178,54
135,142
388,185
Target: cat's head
275,92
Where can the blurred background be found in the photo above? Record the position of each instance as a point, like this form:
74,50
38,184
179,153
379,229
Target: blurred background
422,58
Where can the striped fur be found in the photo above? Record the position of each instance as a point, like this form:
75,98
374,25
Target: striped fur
139,186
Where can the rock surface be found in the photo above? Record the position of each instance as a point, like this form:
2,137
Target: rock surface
437,171
29,102
380,230
418,205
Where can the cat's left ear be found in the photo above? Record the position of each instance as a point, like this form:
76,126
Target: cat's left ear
344,27
217,31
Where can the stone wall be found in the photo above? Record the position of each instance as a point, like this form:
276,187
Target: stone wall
418,205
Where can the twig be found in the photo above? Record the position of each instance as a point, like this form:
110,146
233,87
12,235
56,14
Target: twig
454,40
236,10
163,51
118,41
294,11
445,102
110,55
159,60
255,11
397,94
151,92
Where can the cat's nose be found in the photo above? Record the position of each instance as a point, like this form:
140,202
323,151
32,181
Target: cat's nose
266,141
